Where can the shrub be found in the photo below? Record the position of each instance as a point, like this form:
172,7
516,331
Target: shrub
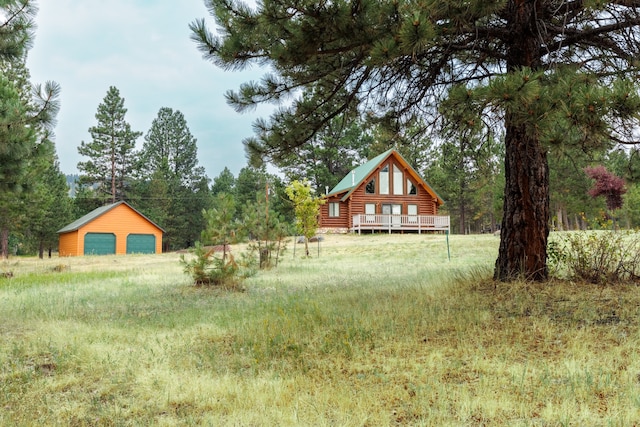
209,267
601,257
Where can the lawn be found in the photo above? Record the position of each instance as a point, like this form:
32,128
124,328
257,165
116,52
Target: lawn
376,331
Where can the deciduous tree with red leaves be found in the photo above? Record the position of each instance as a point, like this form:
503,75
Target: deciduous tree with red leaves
606,184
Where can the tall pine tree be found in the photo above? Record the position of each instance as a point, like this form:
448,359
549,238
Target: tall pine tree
16,143
169,147
27,113
548,71
48,206
111,150
175,188
225,182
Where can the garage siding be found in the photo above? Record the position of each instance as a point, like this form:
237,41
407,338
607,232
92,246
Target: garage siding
68,244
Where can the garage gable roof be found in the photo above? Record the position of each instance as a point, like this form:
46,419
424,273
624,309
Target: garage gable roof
80,222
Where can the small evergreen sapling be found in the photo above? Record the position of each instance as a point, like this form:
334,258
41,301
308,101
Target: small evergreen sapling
209,267
266,230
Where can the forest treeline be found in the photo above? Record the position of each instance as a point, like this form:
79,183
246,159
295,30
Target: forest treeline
165,182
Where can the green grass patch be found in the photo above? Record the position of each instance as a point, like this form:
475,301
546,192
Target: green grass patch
378,330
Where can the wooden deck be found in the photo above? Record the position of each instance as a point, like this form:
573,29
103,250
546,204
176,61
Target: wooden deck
399,223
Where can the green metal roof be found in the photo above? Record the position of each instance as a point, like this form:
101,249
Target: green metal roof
356,176
95,214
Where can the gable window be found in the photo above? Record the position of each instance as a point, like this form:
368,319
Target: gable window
384,180
371,187
334,210
411,188
397,180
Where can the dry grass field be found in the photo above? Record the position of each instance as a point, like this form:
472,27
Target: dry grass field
377,331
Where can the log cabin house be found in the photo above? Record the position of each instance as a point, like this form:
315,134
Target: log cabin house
384,194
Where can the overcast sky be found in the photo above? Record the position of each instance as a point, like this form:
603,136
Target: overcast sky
143,48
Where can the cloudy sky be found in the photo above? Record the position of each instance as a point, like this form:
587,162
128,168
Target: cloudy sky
143,48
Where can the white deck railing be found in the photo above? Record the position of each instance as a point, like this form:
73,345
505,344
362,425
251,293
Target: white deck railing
392,223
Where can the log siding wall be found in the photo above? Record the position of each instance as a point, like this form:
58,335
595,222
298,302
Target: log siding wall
341,221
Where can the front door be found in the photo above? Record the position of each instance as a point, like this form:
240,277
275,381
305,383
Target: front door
394,212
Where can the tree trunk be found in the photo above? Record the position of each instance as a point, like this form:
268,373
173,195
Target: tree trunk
525,227
559,221
4,243
463,193
113,172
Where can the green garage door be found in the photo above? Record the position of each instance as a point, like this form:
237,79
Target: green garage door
99,244
141,244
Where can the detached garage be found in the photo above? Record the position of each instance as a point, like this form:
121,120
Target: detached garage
113,229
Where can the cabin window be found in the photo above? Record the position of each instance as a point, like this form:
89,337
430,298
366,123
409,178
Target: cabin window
384,180
397,181
411,188
370,211
371,187
334,210
412,211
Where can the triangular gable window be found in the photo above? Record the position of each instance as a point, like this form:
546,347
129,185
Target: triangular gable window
371,187
411,188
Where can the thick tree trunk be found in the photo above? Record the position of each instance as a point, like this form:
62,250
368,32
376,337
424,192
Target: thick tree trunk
525,226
